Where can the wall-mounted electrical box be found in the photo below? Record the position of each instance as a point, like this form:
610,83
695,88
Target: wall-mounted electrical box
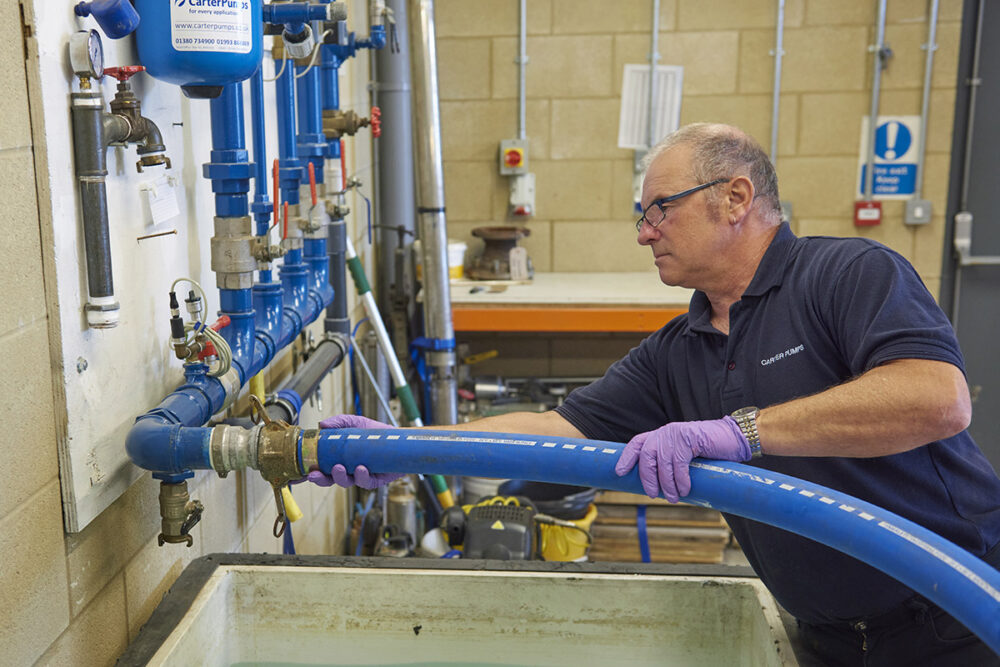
522,196
513,157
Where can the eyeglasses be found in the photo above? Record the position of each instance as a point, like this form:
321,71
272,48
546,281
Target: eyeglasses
654,213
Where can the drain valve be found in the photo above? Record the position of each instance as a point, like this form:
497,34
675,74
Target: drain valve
178,514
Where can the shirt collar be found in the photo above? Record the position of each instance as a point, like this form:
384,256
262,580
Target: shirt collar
770,272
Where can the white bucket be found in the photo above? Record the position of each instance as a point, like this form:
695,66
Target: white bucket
474,488
456,259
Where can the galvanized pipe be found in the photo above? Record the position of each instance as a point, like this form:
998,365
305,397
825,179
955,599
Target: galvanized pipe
431,209
654,55
974,83
395,179
959,238
931,47
93,130
779,54
522,62
879,57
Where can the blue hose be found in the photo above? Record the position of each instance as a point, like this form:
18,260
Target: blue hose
955,580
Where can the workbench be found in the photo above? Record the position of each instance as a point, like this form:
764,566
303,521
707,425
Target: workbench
568,302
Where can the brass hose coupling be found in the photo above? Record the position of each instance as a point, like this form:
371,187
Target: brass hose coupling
277,457
178,514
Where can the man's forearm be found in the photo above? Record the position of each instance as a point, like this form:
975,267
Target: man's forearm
890,409
533,423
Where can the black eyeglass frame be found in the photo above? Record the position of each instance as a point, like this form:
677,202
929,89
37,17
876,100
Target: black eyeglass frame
666,200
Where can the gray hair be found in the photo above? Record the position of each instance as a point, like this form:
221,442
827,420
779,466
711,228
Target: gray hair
723,151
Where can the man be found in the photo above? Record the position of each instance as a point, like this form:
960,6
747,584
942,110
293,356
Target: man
856,373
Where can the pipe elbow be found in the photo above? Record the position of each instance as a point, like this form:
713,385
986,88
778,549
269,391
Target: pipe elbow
150,137
144,440
158,445
117,128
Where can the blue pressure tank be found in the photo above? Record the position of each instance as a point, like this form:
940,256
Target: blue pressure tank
200,45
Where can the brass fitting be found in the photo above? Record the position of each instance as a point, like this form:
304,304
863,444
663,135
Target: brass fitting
337,123
178,514
277,453
265,253
310,450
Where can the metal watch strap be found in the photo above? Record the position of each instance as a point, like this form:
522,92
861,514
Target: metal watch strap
746,419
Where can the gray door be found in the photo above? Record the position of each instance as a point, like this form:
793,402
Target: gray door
970,286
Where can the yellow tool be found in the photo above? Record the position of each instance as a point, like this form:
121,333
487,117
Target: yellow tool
480,356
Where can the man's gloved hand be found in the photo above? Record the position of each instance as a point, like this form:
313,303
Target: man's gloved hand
361,477
664,454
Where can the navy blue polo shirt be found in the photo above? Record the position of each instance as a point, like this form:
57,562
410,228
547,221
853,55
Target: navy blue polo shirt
818,312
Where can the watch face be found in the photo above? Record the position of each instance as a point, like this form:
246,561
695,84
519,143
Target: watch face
744,412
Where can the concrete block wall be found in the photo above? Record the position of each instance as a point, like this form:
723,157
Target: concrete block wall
577,51
79,599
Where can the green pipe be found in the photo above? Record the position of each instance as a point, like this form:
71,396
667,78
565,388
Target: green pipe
403,391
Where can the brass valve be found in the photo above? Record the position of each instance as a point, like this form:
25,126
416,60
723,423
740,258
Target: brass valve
265,253
178,514
337,123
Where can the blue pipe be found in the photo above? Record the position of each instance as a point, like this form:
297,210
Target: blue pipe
293,13
311,142
337,320
955,580
157,442
290,167
229,169
262,206
263,320
267,303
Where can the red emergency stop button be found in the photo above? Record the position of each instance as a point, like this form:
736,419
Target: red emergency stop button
513,157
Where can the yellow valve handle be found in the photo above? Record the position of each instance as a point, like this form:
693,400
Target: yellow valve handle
481,356
292,510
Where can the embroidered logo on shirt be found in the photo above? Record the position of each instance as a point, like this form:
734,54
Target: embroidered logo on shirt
781,355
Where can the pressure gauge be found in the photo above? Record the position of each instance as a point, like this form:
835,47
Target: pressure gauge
86,54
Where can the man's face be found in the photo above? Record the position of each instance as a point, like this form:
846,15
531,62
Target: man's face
688,242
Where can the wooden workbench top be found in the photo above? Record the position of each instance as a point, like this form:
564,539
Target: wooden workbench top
582,302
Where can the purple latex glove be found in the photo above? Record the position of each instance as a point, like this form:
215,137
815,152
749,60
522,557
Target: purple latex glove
664,454
361,477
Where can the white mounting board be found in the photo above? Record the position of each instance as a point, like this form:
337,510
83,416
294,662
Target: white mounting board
633,120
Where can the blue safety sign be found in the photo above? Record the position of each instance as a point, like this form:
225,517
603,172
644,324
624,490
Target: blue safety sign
896,151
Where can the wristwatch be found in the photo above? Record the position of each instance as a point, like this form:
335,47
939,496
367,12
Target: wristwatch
746,419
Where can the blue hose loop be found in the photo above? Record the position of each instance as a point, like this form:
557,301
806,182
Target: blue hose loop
640,524
958,582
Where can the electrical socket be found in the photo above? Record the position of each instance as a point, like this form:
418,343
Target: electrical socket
918,212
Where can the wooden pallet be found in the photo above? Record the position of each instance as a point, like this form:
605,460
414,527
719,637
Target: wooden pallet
676,533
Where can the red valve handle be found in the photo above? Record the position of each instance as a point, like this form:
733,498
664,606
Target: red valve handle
376,122
209,349
125,72
343,168
312,183
277,195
